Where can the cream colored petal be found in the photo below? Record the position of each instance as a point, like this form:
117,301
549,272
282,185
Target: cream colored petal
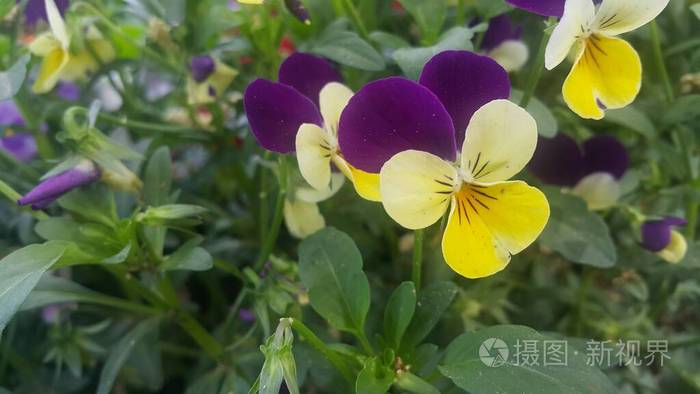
621,16
309,194
314,154
58,27
676,250
44,44
576,21
501,139
511,55
302,218
600,190
416,188
332,100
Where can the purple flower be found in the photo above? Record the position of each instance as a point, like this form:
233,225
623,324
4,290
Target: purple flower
656,234
10,115
68,91
560,161
296,8
246,315
202,67
500,30
36,10
55,186
22,146
275,110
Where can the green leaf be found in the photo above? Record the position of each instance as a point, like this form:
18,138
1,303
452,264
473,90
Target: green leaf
330,266
20,272
477,363
388,42
399,312
11,79
411,383
577,233
189,257
5,7
633,119
547,125
349,49
158,178
374,378
164,213
121,352
696,10
684,109
412,60
433,301
429,15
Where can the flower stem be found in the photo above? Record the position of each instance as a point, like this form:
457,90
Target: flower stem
321,347
147,126
271,237
356,18
417,258
659,60
536,72
461,14
12,195
200,335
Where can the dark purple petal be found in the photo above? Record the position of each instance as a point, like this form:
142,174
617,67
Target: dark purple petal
10,115
202,67
36,10
656,235
464,82
541,7
558,161
246,315
675,221
308,74
296,8
275,112
54,187
390,116
605,154
68,91
500,30
22,146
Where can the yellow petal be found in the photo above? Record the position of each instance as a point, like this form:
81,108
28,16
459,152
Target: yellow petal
58,27
501,139
489,224
676,250
51,68
366,184
416,188
314,152
332,100
302,218
608,70
44,44
621,16
578,16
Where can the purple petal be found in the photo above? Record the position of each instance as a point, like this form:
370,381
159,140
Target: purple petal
541,7
246,315
500,29
68,91
22,146
275,112
202,67
605,154
36,10
390,116
675,221
656,235
54,187
464,82
10,115
308,74
558,161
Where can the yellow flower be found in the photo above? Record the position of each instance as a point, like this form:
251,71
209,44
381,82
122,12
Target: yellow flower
214,86
490,218
607,71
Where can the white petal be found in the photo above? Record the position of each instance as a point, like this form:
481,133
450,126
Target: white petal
332,100
309,194
621,16
58,27
314,155
302,218
501,139
600,190
416,188
577,19
511,55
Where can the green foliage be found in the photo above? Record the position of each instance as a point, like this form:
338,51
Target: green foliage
399,313
11,79
412,60
349,49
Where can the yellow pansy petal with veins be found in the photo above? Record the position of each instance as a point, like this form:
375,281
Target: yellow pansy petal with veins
333,99
314,154
51,68
578,16
608,71
501,139
490,223
621,16
416,188
302,218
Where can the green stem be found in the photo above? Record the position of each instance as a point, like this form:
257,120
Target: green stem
200,335
271,237
461,13
536,72
693,209
417,257
120,304
356,18
659,60
321,347
12,195
147,126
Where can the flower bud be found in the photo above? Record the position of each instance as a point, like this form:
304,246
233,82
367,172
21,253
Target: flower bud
660,237
121,178
53,187
296,8
202,67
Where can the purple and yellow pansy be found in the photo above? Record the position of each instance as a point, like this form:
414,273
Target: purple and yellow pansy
502,42
660,236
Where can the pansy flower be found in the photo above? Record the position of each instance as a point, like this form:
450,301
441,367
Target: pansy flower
55,186
208,79
502,42
661,237
607,71
592,171
410,132
35,10
302,215
58,60
301,113
20,145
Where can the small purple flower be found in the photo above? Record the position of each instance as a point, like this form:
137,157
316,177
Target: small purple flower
36,10
56,186
10,115
656,234
51,314
68,91
246,315
22,146
202,67
500,30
